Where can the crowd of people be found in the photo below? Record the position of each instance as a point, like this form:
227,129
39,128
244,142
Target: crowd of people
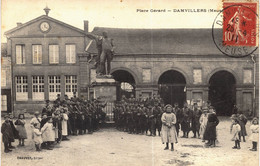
148,116
55,122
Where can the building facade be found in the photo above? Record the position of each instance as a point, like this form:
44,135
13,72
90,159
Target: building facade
6,83
45,62
51,57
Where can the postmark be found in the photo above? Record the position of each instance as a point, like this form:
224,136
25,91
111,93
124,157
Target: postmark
235,29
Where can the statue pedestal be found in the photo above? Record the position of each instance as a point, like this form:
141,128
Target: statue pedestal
105,92
105,89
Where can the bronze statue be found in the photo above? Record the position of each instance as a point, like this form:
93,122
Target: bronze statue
105,54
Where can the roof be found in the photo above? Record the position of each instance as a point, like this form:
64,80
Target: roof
44,17
159,41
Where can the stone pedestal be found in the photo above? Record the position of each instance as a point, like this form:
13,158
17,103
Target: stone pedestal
105,92
105,89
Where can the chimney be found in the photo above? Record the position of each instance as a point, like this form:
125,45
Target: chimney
19,24
86,26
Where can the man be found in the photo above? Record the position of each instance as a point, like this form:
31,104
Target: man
155,113
185,124
47,109
58,100
196,113
105,49
178,113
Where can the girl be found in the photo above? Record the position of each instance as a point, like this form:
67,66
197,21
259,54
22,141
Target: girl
48,134
20,122
203,122
235,131
37,137
168,127
64,124
254,136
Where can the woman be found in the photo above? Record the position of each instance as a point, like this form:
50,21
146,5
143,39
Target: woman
168,127
210,132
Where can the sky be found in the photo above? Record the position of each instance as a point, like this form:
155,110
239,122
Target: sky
111,13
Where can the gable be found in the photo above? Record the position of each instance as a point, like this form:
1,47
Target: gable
32,29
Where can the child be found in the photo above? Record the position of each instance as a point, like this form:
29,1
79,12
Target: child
48,134
20,122
254,136
203,122
168,127
235,131
64,124
15,132
7,134
242,120
37,137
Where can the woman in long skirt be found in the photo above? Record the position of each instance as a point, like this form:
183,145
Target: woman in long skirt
210,132
169,134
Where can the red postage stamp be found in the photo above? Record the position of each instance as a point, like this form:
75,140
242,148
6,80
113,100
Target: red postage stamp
239,24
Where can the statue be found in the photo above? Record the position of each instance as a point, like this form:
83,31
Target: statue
105,48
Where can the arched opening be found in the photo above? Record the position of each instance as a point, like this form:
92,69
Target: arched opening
222,92
172,87
127,83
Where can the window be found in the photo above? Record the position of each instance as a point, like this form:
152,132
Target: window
53,54
38,88
3,77
70,85
20,54
21,88
54,87
3,103
37,54
70,53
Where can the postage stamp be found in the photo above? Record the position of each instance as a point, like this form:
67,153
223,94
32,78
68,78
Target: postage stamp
239,24
235,29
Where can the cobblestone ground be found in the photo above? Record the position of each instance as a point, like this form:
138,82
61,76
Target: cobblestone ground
109,147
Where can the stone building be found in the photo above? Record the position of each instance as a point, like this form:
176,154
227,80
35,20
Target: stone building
51,57
6,83
45,62
183,65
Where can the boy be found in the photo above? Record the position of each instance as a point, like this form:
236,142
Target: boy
7,133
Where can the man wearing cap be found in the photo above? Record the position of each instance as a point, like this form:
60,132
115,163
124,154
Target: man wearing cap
185,124
58,100
196,113
155,111
47,109
177,111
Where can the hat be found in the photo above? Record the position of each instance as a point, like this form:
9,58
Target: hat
47,101
6,116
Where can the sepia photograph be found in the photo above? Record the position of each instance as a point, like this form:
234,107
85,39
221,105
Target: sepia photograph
130,83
